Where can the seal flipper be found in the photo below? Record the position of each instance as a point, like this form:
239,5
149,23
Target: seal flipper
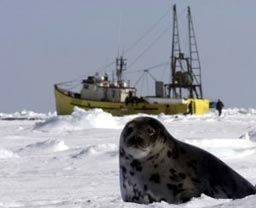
223,181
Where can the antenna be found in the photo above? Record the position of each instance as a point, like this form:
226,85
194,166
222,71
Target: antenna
121,64
120,24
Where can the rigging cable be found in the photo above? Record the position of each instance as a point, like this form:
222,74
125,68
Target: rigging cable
149,46
70,84
151,76
147,32
149,68
119,41
103,67
139,79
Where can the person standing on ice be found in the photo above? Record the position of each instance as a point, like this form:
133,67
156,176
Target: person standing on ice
219,106
191,107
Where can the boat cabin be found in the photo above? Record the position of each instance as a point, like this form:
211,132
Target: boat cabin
100,88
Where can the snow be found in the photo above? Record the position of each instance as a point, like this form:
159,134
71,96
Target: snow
72,161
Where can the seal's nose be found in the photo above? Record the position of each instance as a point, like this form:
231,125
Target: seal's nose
135,141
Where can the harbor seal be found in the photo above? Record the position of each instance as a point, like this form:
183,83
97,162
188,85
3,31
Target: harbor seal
154,167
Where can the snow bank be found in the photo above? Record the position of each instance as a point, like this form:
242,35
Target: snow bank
30,115
237,111
251,135
47,145
79,120
111,149
6,154
25,115
97,118
225,148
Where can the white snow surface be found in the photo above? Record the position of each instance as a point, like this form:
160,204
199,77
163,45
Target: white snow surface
72,161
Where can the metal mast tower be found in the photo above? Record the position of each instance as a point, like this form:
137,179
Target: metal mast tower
185,71
175,49
194,60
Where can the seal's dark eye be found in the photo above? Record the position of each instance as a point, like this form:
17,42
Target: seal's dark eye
151,131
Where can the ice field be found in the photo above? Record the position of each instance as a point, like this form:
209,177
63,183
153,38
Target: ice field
72,161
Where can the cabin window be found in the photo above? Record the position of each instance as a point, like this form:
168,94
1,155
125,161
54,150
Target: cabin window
86,86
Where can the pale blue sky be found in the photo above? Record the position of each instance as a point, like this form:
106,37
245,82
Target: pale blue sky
47,41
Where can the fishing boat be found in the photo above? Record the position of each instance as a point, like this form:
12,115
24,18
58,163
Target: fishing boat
182,95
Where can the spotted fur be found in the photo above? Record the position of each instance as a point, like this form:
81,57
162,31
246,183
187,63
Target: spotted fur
155,167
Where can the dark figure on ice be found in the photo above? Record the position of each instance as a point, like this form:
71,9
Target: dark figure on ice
190,107
219,106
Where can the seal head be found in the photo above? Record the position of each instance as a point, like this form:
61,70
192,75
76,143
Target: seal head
139,137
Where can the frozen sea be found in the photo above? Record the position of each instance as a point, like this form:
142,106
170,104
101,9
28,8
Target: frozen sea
72,161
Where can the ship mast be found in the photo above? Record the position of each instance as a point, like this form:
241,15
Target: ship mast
194,60
176,51
121,64
185,71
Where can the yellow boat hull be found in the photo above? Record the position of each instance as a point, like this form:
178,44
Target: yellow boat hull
66,101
